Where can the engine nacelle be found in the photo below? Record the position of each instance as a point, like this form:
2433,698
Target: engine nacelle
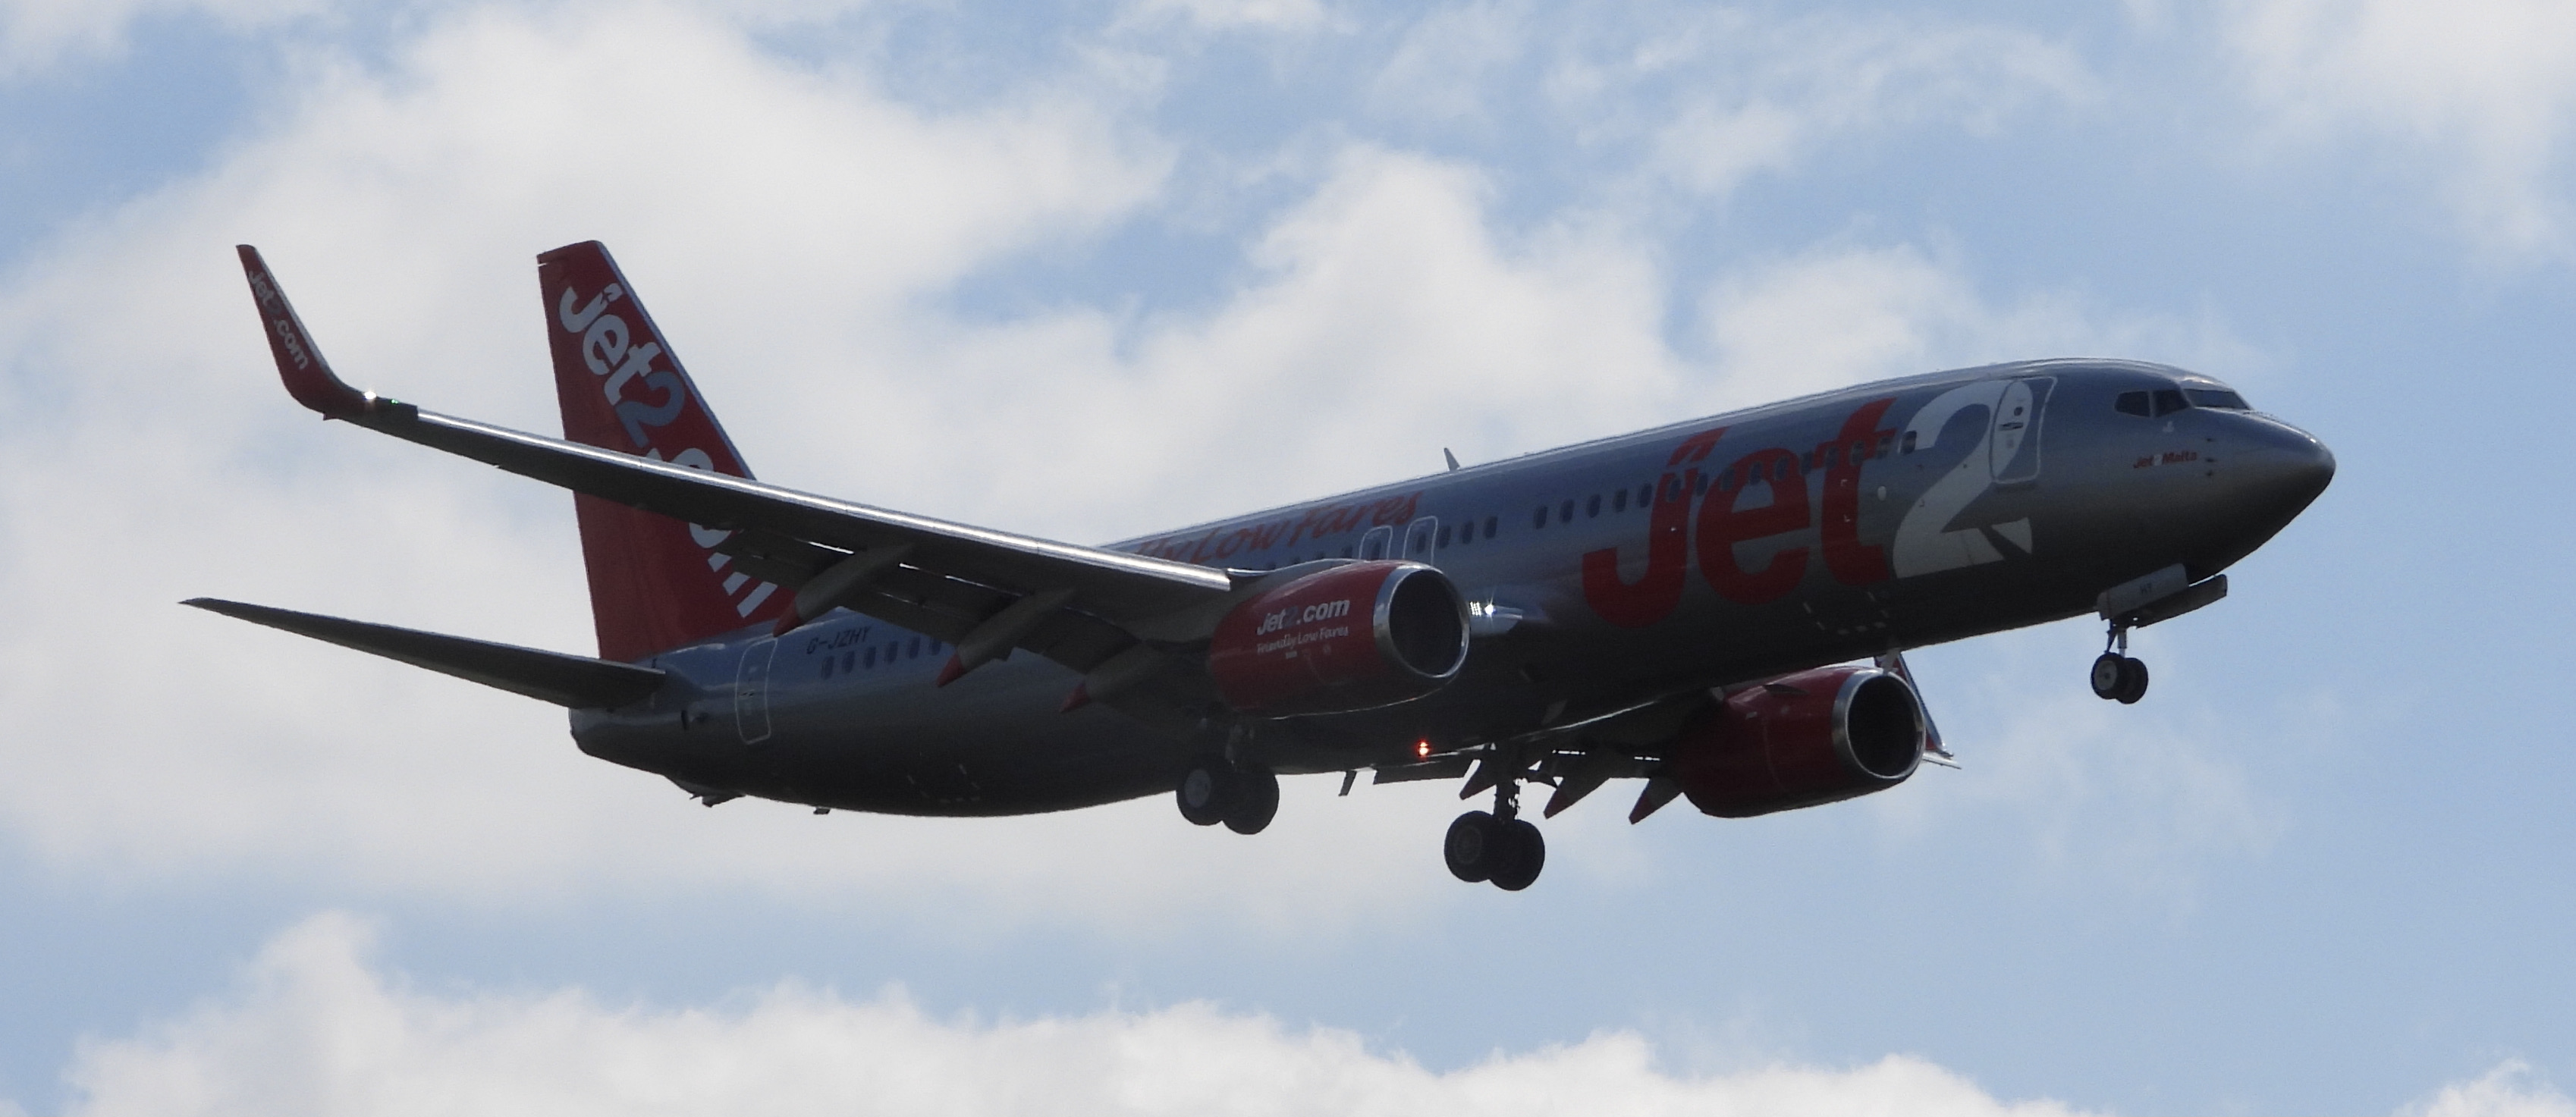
1357,636
1801,740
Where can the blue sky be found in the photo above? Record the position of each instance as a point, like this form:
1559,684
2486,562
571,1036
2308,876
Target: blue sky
1090,271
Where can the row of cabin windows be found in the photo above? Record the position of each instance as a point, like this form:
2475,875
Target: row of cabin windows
1831,456
2166,401
864,659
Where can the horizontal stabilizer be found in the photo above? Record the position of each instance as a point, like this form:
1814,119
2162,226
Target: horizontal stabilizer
579,682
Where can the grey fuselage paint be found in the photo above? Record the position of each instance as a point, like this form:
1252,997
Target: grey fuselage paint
1989,499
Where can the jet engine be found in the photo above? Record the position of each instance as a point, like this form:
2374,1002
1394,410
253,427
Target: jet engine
1800,740
1356,636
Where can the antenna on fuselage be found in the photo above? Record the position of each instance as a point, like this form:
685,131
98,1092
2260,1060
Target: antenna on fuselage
1453,459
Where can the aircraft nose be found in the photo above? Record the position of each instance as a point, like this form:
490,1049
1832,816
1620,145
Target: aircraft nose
2280,469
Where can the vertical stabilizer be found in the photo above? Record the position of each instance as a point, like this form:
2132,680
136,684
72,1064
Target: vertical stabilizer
655,583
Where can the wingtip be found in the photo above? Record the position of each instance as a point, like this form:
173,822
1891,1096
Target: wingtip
299,362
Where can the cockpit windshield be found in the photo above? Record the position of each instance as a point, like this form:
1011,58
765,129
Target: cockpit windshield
2169,400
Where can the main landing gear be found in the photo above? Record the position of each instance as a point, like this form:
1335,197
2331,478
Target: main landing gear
2116,677
1501,847
1214,790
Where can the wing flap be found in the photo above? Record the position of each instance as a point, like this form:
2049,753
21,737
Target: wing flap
578,682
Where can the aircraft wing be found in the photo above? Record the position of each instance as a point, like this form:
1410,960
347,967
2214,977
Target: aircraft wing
577,682
1079,605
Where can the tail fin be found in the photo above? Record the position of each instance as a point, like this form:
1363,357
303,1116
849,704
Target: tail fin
655,583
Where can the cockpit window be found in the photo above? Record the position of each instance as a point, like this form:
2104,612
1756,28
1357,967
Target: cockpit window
2169,401
2216,397
2132,403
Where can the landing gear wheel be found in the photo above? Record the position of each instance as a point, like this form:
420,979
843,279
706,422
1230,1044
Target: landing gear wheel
1252,801
1206,789
2109,673
1528,854
1473,842
2133,681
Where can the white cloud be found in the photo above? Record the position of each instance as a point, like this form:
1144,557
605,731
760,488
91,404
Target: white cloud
2477,94
1839,314
2134,801
1274,15
2512,1089
312,1029
1719,95
1439,71
35,34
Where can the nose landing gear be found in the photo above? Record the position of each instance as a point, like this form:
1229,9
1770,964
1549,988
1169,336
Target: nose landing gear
1500,847
2116,677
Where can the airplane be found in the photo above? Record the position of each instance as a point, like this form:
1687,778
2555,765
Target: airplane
1718,608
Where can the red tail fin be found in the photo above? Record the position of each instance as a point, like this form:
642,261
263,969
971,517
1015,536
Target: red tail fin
655,583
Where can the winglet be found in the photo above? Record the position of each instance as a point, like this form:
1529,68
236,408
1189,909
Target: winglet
299,362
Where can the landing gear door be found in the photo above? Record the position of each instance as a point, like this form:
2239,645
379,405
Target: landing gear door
2015,445
1419,539
751,691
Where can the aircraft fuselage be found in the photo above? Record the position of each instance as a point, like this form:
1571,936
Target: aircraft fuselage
1693,556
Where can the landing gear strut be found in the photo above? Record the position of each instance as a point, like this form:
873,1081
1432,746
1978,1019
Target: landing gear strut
1501,847
1243,797
2116,677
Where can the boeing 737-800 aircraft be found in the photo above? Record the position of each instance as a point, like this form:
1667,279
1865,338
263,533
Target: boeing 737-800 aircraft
1717,608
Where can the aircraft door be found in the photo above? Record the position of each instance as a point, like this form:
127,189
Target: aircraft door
1419,539
2015,444
751,691
1377,542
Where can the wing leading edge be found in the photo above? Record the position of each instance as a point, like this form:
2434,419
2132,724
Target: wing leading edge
1084,605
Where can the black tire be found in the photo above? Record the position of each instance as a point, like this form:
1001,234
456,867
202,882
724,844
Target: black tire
1205,789
2133,681
1528,855
1470,847
1252,801
2110,676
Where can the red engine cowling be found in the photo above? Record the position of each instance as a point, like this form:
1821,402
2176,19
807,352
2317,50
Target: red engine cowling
1357,636
1800,740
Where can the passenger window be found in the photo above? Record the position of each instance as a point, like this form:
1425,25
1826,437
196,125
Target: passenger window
2169,401
1699,484
1489,527
1619,501
1565,512
871,661
1443,539
1592,507
849,661
1788,469
912,650
2218,398
1757,472
2132,403
1726,481
1885,441
1538,516
827,666
1908,448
